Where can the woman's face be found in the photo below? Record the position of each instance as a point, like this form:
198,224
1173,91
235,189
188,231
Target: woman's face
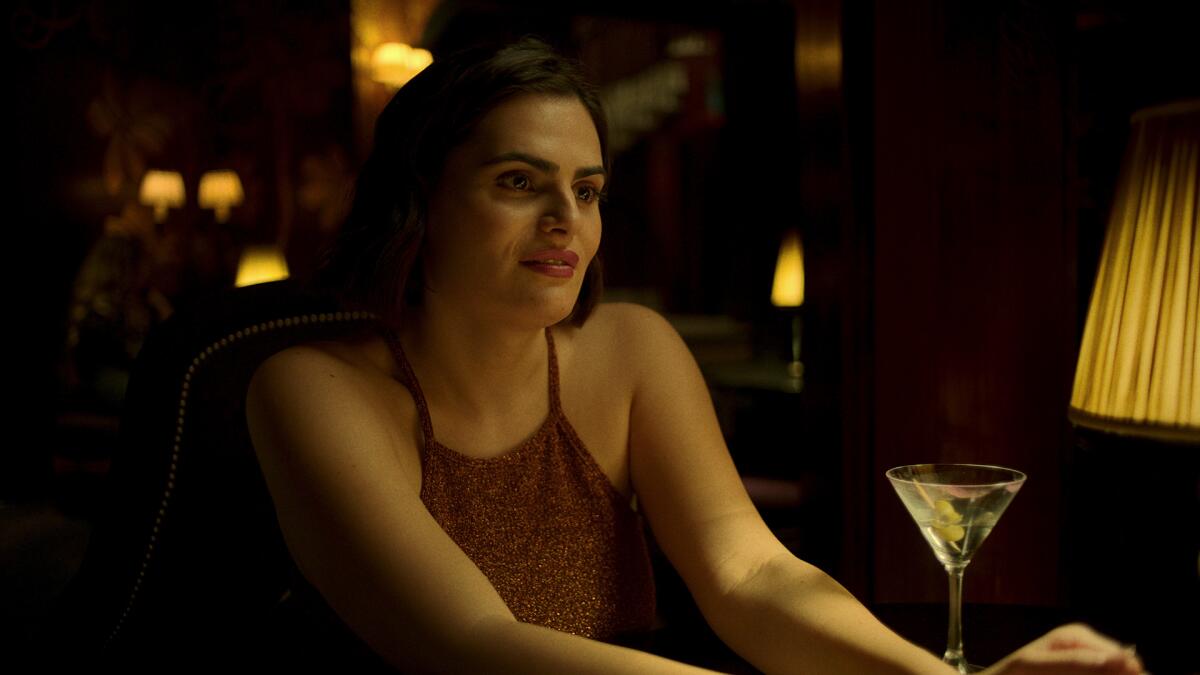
514,219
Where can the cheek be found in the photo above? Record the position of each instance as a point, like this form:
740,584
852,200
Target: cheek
595,236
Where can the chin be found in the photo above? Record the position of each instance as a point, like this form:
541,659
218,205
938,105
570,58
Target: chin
557,316
555,311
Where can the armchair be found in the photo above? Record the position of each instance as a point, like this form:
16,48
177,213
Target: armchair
186,566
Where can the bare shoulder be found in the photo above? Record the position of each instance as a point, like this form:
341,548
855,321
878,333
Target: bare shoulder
306,385
309,374
632,335
356,356
358,364
329,391
626,316
631,326
304,360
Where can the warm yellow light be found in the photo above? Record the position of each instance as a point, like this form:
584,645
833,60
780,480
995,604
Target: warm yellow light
817,52
260,264
395,63
788,288
220,190
1139,363
162,190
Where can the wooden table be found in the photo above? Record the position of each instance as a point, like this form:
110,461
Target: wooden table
990,632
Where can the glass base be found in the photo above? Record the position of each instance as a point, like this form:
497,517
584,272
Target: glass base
955,659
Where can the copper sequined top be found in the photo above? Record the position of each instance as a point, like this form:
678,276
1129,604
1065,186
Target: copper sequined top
557,541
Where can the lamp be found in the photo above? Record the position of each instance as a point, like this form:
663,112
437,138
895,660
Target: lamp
1130,488
787,290
395,63
220,191
1139,363
261,264
162,190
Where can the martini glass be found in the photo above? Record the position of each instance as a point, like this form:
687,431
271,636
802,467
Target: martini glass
955,506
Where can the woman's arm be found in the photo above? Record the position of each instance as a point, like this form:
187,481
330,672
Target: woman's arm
354,523
776,611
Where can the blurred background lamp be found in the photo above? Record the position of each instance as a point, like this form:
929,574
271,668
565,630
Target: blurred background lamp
261,264
220,191
788,287
395,63
787,290
162,190
1139,362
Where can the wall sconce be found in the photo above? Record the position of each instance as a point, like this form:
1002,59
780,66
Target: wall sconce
395,63
261,264
161,190
1139,363
220,191
787,291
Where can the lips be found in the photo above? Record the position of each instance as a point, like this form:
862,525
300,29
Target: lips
559,257
553,263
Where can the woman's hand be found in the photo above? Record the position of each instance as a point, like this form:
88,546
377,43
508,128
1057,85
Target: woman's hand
1070,649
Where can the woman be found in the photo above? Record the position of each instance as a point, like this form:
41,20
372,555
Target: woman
459,486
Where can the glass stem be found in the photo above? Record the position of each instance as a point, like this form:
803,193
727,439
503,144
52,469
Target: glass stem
954,641
796,333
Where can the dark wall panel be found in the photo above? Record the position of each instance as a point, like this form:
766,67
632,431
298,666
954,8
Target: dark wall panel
974,293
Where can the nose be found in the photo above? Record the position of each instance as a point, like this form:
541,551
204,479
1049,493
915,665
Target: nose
561,213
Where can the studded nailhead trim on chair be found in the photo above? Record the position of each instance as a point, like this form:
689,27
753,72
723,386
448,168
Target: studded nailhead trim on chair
180,425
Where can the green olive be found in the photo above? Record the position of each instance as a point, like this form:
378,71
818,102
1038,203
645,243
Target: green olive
950,533
945,513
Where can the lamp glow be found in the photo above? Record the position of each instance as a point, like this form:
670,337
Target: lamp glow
220,191
787,290
162,190
1139,363
261,264
395,63
788,287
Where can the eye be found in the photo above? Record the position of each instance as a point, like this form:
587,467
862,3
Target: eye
516,181
587,193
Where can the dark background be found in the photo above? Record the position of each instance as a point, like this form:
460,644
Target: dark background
948,164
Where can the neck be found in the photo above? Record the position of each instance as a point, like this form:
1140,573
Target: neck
482,366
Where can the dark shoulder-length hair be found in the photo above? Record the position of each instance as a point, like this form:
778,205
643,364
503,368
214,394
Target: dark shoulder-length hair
374,262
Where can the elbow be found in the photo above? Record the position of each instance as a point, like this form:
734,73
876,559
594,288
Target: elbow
763,588
478,644
469,647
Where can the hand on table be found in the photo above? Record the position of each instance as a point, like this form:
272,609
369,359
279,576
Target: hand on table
1070,649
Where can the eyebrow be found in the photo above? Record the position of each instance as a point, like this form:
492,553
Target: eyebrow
543,165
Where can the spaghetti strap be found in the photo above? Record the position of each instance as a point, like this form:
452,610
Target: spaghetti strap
555,406
414,387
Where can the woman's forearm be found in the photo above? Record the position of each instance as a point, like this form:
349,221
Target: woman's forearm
505,646
791,617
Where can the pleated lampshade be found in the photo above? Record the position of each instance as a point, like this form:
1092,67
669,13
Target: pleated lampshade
1139,362
261,264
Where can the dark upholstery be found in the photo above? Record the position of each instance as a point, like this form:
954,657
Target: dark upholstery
187,566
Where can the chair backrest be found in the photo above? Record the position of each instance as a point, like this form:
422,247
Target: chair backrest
187,554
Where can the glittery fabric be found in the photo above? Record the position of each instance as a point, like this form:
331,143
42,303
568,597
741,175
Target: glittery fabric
543,523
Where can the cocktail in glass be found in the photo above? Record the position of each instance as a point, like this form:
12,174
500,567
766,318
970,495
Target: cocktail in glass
955,507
